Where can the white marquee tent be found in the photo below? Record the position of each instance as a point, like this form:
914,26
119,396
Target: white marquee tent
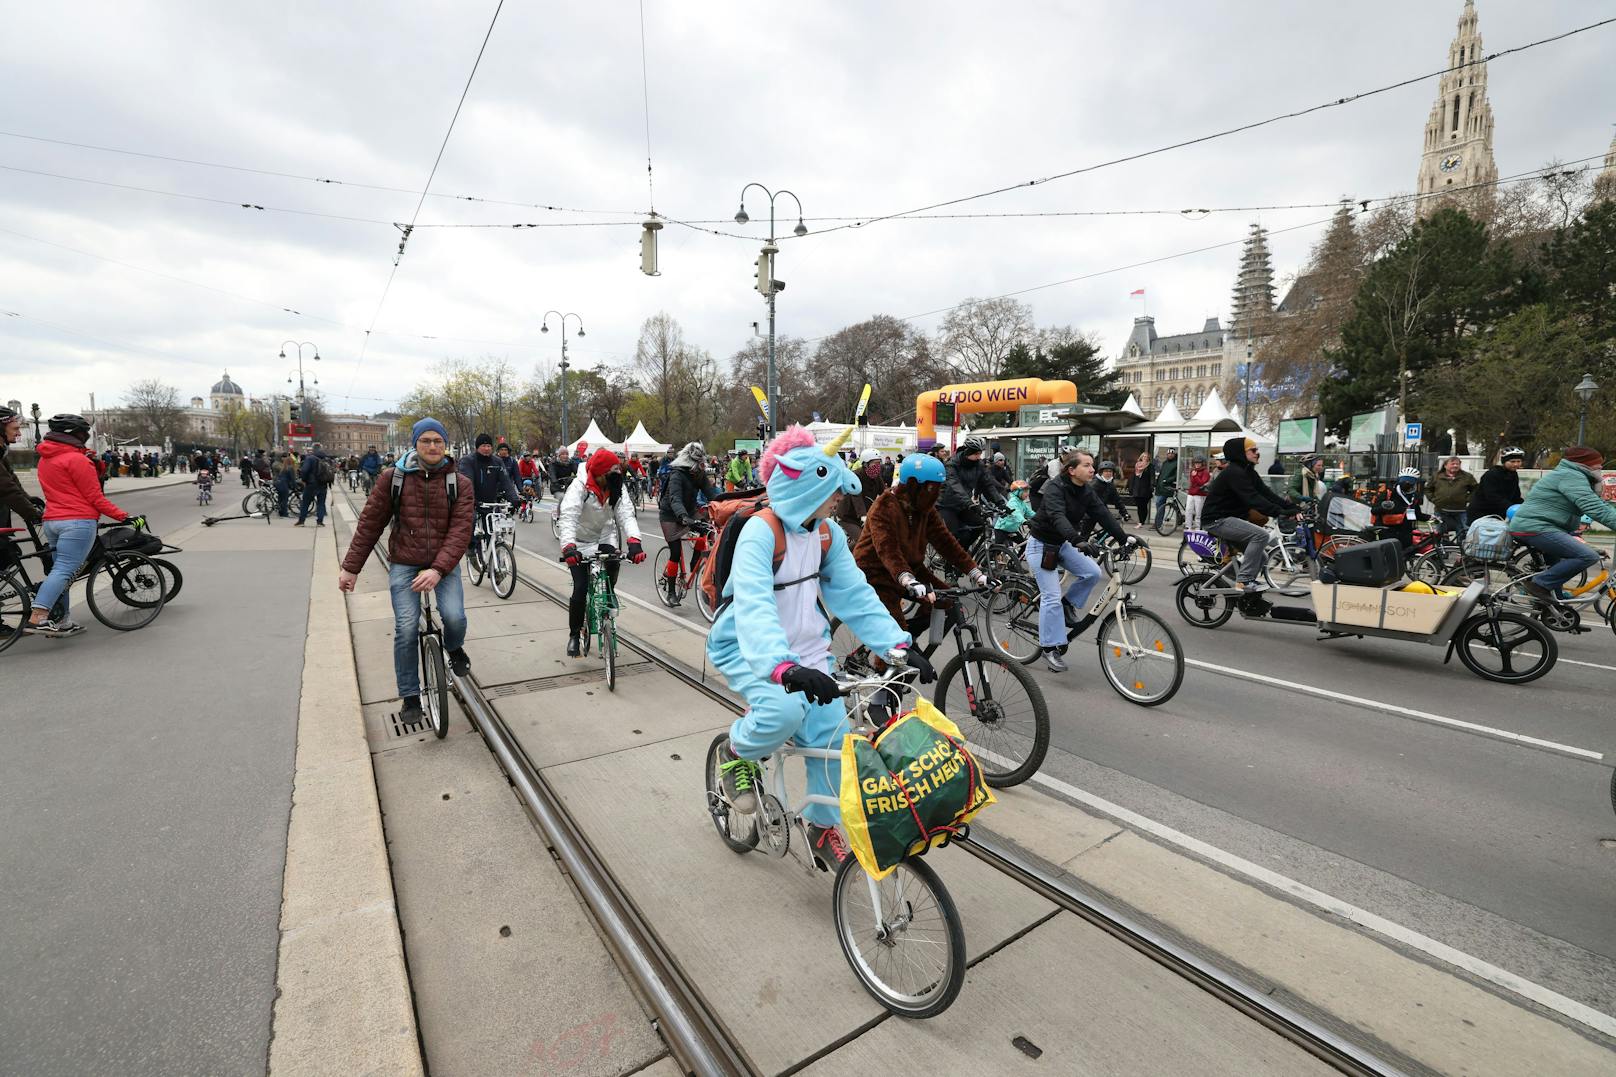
642,441
595,438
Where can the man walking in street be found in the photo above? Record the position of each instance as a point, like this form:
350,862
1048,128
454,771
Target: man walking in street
434,512
317,475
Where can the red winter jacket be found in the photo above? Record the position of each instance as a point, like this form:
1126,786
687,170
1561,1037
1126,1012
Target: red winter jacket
72,488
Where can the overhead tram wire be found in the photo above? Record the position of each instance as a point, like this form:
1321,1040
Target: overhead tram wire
427,187
645,93
1298,113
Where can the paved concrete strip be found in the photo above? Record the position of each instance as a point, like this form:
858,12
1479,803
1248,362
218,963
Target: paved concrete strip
1068,999
1393,708
1427,1012
343,1002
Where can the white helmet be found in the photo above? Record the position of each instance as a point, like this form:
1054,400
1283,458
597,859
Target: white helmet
1409,474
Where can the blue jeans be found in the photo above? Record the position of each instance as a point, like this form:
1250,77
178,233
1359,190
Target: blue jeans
312,492
1161,508
70,542
1085,574
451,602
1566,554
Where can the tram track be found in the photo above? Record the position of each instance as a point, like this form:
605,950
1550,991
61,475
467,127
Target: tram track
698,1038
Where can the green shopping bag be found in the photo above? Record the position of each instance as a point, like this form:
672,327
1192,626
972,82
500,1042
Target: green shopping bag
913,788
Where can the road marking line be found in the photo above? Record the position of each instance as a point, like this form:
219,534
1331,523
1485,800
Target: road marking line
1392,708
1590,665
1484,970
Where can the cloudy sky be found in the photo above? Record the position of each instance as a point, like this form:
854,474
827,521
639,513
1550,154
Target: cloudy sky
860,108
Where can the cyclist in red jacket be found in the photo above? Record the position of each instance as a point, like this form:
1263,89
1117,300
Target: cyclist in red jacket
74,504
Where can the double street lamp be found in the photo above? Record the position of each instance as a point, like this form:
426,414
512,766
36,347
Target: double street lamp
544,327
1585,390
766,284
302,399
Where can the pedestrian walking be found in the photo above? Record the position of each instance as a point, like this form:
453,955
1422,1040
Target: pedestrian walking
285,475
317,475
1450,490
1195,499
1166,484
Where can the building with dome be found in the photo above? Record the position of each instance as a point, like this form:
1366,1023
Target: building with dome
226,392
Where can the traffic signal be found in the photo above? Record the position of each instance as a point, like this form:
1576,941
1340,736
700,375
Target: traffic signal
294,411
766,284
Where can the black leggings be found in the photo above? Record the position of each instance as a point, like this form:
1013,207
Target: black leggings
1142,503
580,592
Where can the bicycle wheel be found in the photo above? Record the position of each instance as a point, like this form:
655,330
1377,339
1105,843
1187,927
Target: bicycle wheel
1283,573
15,606
173,579
902,936
1134,569
125,591
667,587
1141,657
1429,568
503,571
1517,651
555,522
258,501
1014,628
474,560
1190,560
1169,521
738,829
434,684
1003,716
1202,611
708,609
608,648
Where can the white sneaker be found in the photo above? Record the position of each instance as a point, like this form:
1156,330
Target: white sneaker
55,629
1255,587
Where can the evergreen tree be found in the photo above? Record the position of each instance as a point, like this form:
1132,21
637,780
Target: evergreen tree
1077,361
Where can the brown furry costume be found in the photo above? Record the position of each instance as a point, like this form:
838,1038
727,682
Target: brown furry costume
900,524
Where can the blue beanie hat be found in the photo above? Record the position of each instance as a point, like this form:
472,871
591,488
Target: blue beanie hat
423,425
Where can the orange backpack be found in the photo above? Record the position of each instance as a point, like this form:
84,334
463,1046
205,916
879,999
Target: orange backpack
729,515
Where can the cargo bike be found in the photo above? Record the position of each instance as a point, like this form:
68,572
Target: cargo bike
1365,593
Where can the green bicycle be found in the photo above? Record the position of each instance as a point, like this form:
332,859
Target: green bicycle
600,613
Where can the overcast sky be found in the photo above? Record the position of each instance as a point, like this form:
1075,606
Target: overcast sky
861,108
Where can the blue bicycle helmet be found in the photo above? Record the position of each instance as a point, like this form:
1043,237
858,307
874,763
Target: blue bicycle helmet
1509,513
921,468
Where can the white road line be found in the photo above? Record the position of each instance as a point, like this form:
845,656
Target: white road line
1392,708
1590,665
1519,985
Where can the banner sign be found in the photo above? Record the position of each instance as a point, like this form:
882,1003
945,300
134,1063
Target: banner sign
1365,428
762,399
1298,435
864,403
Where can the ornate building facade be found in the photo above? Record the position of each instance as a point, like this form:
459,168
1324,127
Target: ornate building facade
1183,368
1458,147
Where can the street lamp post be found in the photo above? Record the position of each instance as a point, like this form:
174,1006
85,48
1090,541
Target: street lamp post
1585,390
33,409
302,400
544,327
1245,406
766,281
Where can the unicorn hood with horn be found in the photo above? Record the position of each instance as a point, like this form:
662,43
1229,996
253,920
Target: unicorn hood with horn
789,565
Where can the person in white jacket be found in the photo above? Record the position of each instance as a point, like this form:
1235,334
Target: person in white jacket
595,518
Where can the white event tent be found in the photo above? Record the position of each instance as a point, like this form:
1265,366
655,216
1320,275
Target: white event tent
594,438
642,441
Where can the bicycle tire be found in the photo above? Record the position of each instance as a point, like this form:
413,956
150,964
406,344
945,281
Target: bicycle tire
1160,640
503,572
737,829
474,560
1202,612
173,579
1170,521
125,591
708,609
15,607
258,501
659,566
608,650
434,685
1134,569
992,724
1014,628
874,953
1190,560
555,523
1478,629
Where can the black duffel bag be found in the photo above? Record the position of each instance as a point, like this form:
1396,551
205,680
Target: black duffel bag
128,540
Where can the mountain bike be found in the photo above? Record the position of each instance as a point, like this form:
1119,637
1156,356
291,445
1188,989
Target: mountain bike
1139,654
1000,706
672,587
492,549
434,672
901,935
600,613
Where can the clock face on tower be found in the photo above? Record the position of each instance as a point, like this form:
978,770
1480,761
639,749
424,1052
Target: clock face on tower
1451,162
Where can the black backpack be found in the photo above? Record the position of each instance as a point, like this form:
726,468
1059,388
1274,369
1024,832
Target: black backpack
322,471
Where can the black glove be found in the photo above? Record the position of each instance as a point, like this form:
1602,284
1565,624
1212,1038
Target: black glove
569,554
921,665
819,687
608,549
636,552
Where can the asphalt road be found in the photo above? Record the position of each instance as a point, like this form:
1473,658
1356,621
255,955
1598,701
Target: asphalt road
1470,838
145,785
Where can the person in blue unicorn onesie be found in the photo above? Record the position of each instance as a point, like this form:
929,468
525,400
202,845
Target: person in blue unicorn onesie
771,639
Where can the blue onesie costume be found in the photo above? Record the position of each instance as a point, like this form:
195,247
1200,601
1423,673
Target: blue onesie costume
764,631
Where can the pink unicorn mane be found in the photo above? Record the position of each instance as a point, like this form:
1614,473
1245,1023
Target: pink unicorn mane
794,437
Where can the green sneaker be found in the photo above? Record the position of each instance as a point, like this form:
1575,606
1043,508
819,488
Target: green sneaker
740,780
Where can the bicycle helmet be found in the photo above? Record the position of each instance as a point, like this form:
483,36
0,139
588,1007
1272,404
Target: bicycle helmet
1511,452
1019,484
921,468
1409,475
67,423
972,445
1108,465
6,414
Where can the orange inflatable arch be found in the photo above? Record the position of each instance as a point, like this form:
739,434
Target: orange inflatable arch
985,396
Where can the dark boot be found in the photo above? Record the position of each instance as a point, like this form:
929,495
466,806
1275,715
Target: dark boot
573,648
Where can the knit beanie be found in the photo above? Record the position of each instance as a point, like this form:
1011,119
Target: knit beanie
1581,454
423,425
484,439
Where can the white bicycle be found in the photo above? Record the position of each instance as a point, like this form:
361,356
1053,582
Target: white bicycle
902,934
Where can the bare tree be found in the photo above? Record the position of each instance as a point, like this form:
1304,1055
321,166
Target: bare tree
657,358
154,411
976,336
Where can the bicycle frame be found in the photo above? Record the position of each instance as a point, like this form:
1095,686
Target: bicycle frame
601,600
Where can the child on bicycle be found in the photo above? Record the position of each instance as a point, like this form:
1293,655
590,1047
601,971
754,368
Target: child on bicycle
1020,513
204,484
771,639
594,517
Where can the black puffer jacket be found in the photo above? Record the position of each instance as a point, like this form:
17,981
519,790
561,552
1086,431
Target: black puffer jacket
965,481
679,506
1498,489
1069,511
1238,489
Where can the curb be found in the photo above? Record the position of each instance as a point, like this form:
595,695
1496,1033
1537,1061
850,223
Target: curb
343,1003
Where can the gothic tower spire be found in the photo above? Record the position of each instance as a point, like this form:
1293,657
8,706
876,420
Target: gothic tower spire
1458,148
1253,300
1605,183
